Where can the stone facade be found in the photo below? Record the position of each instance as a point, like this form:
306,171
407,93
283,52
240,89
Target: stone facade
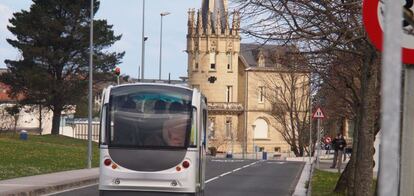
230,75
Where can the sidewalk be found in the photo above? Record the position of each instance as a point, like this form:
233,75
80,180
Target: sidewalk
303,187
326,161
48,183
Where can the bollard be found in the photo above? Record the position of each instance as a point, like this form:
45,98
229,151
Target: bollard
23,135
264,155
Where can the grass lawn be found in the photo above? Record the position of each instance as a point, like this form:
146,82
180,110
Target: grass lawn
323,183
42,154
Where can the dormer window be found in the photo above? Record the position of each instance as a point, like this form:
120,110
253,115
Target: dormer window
261,59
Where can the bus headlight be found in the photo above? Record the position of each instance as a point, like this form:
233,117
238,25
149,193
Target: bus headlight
174,183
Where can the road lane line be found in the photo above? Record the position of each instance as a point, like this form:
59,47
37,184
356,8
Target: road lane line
209,180
224,174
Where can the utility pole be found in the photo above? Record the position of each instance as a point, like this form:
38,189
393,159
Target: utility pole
407,139
162,14
143,41
90,89
389,164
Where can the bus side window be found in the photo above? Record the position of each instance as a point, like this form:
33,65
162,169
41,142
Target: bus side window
103,126
194,131
204,132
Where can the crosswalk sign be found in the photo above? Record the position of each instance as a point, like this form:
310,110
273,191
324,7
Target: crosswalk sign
318,114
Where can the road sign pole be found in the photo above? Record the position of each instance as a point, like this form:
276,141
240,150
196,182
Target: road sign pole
407,139
318,143
389,164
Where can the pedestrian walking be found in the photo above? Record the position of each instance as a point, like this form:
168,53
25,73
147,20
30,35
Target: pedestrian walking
341,144
335,148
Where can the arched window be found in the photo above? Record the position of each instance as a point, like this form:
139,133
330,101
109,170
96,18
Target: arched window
261,129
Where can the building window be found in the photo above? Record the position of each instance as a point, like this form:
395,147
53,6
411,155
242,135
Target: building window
261,59
213,60
196,60
229,61
228,128
261,149
261,94
261,129
211,127
277,149
229,94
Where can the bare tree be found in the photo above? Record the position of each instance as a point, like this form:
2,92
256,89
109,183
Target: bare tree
288,92
326,31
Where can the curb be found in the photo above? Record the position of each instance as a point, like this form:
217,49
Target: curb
309,191
304,180
51,189
297,178
34,191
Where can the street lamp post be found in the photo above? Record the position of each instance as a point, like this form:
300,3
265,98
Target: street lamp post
254,147
143,41
232,141
89,162
162,14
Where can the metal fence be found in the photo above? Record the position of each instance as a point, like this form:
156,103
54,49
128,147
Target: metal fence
80,130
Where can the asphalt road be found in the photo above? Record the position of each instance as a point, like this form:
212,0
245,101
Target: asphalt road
237,178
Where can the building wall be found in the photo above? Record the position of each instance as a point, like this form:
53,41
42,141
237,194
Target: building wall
218,45
245,82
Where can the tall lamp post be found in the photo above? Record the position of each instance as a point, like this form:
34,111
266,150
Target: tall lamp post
89,162
254,147
143,41
162,14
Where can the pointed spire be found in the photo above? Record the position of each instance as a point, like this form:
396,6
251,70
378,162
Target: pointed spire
235,24
208,30
226,23
191,22
218,23
199,23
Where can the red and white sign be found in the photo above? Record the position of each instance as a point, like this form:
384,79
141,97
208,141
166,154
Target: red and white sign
318,114
373,16
327,140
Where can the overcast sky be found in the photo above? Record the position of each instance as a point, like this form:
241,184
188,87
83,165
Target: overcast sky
126,16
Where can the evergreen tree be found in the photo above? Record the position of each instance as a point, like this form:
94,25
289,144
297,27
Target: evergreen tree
53,39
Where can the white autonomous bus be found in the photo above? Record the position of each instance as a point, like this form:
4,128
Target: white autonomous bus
152,140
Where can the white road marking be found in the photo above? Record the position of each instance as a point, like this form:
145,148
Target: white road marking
226,161
209,180
280,163
67,190
237,169
227,173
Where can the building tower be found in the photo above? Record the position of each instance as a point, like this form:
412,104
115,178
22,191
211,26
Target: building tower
213,46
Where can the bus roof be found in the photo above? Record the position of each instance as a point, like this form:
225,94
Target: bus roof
184,86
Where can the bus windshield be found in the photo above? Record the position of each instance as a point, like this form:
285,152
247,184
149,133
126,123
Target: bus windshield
149,116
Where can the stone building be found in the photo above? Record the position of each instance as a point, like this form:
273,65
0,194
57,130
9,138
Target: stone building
233,78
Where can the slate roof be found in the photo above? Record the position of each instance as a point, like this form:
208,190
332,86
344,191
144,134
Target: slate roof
273,54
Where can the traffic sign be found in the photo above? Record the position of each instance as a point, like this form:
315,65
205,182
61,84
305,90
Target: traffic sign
373,16
318,114
117,71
